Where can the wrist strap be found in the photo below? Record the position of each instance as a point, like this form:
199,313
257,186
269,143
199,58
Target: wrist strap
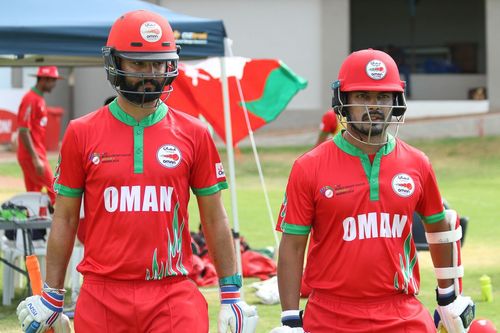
445,299
53,298
234,279
229,294
292,318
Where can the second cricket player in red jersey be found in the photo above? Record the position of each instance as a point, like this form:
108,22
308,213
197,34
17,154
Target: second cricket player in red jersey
356,195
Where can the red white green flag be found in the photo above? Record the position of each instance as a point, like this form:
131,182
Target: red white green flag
267,85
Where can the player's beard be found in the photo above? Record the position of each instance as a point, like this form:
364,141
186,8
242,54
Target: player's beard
136,95
376,127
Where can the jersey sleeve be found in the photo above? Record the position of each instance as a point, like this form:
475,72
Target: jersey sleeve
430,205
24,113
69,179
297,210
207,174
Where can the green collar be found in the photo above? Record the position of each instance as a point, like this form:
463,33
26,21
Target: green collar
37,91
350,149
150,120
372,171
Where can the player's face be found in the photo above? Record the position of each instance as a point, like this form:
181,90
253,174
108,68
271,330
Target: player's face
146,80
369,111
48,84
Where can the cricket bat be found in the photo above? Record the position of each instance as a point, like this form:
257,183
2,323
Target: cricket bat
36,281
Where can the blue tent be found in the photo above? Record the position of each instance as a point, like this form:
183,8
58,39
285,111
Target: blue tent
62,29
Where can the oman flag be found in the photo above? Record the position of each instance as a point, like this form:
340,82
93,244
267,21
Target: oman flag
267,87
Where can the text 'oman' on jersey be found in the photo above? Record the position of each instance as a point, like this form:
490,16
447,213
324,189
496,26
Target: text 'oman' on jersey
138,198
374,225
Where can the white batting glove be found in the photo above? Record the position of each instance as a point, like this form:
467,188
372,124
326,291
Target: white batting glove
38,313
457,315
236,315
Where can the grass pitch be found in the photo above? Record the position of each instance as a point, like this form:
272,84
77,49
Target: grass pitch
468,172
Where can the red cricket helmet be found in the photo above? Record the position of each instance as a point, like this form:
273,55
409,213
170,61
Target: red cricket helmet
140,36
368,70
482,326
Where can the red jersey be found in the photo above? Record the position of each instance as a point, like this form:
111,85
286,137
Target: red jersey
360,215
32,115
329,122
136,178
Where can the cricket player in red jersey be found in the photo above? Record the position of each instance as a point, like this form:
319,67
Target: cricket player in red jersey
32,122
136,161
328,127
356,194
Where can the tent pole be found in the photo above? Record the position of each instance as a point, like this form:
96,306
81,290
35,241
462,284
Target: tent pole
230,157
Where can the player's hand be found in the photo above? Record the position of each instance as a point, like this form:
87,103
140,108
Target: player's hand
235,314
238,317
287,329
38,313
38,164
456,316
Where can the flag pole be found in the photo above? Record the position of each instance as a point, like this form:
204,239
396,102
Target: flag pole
255,153
230,158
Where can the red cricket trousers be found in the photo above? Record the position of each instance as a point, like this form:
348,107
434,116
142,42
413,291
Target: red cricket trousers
392,314
168,305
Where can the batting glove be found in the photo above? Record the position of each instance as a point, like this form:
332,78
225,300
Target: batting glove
454,313
292,322
235,314
38,313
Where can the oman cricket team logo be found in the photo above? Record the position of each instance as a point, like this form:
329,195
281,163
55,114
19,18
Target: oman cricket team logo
376,69
151,31
403,185
95,158
169,156
327,191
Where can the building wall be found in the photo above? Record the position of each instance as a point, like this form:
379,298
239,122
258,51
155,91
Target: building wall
493,53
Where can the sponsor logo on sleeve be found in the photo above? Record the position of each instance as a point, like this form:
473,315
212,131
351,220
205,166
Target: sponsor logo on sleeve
219,170
403,185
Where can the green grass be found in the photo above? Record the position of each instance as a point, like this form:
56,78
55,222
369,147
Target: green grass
468,172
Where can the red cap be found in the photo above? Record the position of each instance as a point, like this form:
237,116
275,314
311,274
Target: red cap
48,71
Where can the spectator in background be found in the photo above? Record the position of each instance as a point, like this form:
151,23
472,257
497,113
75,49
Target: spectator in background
328,127
32,123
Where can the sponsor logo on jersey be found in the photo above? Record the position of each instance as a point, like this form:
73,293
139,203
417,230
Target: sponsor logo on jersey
376,69
219,170
97,158
373,225
169,156
403,185
148,198
151,31
327,191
